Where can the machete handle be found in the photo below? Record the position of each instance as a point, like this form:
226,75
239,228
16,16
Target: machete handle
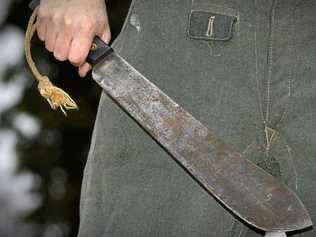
99,49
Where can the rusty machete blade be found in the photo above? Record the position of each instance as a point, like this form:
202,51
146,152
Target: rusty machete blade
242,187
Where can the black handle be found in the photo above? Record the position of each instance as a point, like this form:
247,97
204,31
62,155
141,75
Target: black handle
99,49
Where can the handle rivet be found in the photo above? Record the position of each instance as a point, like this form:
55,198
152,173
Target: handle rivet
94,46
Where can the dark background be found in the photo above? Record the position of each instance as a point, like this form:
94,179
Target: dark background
56,155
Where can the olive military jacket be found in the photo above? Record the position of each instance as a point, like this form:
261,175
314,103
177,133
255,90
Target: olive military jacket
244,68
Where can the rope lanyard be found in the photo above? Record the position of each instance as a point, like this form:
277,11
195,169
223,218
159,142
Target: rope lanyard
56,97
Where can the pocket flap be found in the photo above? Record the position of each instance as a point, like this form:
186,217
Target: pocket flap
210,26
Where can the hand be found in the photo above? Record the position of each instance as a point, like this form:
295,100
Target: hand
68,28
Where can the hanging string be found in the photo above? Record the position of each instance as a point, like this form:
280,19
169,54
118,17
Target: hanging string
55,96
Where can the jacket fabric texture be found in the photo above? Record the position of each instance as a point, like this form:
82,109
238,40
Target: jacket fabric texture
247,70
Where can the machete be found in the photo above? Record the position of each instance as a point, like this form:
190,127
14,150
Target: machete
246,190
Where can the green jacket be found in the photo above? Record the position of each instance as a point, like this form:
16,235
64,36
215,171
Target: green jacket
249,75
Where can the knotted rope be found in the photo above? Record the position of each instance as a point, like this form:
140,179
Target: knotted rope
55,96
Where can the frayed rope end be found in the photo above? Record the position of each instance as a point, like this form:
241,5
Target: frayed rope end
56,97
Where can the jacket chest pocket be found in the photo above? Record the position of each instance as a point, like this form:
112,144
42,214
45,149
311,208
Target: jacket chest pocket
211,22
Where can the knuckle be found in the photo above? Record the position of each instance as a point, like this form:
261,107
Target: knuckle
56,18
67,21
88,25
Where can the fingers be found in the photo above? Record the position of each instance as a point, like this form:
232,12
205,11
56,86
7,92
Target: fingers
79,49
62,46
50,38
54,26
84,69
47,28
41,28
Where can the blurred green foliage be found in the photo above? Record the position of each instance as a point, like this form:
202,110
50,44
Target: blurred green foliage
58,154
